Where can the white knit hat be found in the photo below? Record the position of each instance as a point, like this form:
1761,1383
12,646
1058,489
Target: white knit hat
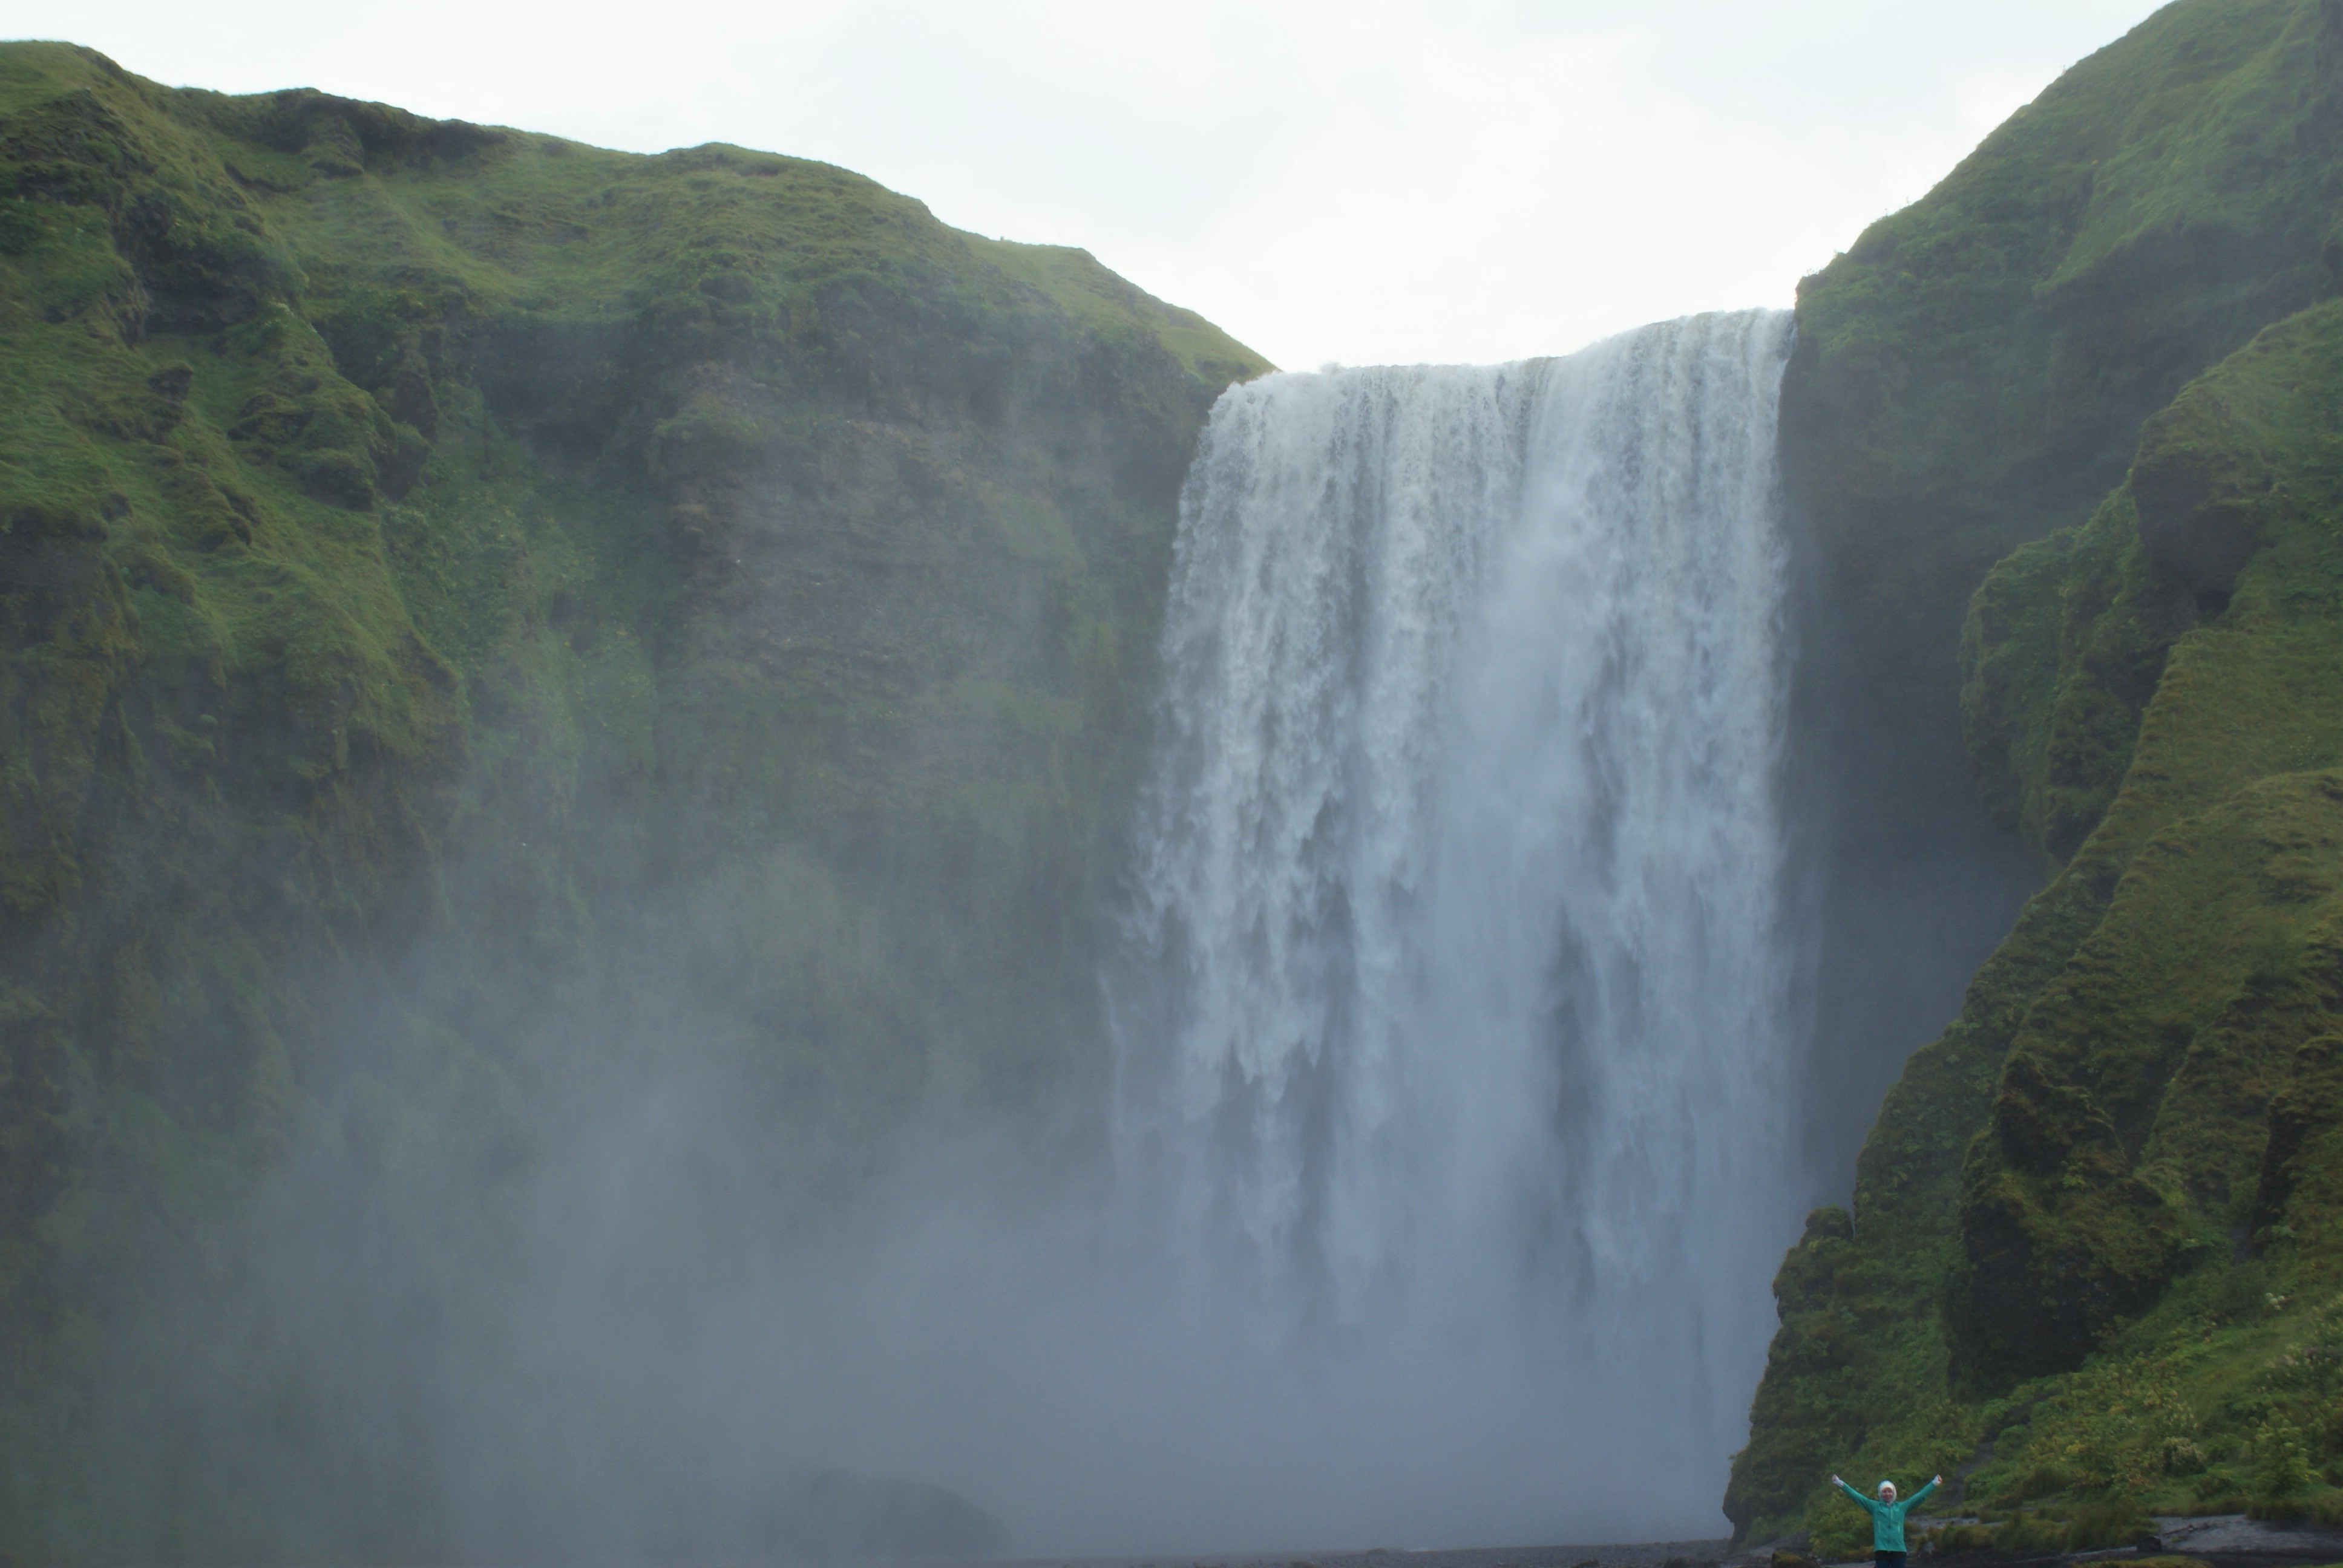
1887,1486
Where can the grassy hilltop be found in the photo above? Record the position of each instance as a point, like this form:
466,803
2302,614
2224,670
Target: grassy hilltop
2094,1261
479,613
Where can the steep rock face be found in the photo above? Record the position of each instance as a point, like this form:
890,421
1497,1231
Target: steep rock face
2130,1115
2071,1204
479,613
1974,370
1971,375
2147,695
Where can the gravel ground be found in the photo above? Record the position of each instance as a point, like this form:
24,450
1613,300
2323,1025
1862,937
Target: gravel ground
2233,1535
1632,1554
2229,1540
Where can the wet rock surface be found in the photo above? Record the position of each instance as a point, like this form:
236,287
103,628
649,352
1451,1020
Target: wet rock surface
1710,1554
2235,1536
2226,1541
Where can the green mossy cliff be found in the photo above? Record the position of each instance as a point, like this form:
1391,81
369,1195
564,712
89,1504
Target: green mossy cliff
1971,375
472,603
1973,371
2094,1253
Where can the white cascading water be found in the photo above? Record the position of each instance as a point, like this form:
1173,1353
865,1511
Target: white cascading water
1457,1029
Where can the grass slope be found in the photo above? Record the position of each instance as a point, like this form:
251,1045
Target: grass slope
2060,1188
1972,376
2093,1253
477,613
1970,373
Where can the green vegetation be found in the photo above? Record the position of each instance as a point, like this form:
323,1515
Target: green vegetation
479,613
2092,1266
473,604
2094,1252
1973,371
1970,377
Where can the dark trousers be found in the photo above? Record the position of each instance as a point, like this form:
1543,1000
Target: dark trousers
1888,1559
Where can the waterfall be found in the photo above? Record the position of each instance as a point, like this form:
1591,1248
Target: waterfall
1456,1018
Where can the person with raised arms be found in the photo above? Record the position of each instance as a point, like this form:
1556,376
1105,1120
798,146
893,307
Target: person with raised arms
1887,1518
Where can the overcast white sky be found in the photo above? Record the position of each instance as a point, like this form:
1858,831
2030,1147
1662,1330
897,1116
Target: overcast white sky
1361,182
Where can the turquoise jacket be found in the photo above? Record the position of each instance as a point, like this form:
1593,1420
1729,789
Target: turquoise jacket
1887,1518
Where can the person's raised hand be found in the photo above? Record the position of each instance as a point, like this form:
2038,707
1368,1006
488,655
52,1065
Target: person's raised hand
1939,1482
1836,1481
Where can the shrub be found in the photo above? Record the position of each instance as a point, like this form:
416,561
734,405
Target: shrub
1840,1535
2281,1461
2242,1293
2217,1493
2116,1522
2032,1533
2324,1509
2181,1456
1955,1540
2042,1480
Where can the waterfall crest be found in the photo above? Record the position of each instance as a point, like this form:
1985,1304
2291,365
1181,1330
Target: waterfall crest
1456,1022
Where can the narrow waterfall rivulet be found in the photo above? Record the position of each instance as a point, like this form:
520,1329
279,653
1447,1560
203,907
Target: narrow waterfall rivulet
1457,1024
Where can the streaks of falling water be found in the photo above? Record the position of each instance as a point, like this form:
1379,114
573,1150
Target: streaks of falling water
1462,987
